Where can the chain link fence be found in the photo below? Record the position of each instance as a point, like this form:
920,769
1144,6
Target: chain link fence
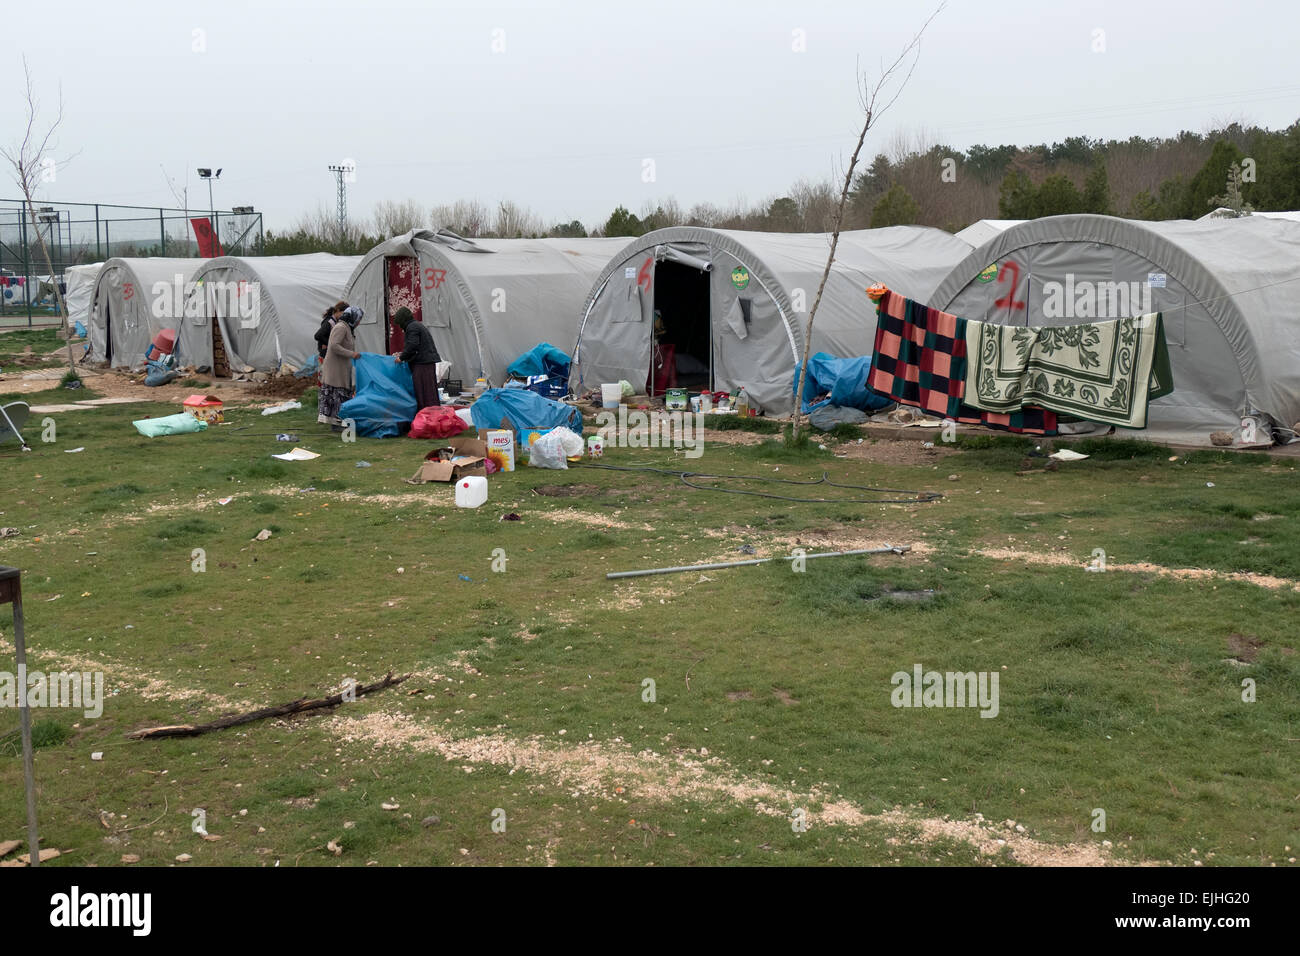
85,233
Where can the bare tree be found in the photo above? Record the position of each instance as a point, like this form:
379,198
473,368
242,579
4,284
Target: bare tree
515,221
395,218
29,160
465,217
869,97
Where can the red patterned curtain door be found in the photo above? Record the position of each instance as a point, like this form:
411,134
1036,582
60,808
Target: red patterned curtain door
403,290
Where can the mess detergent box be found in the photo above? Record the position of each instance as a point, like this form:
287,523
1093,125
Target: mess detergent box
500,447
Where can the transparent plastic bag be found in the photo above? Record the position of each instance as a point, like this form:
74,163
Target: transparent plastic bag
554,448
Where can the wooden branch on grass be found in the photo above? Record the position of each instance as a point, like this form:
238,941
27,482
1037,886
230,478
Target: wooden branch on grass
301,705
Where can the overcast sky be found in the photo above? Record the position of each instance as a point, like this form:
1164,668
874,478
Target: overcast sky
558,105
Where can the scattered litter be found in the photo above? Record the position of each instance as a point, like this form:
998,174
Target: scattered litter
262,535
746,549
1173,457
298,454
286,436
9,532
1209,484
225,501
1066,454
55,598
97,755
308,488
401,570
510,517
282,407
73,451
363,464
466,577
928,444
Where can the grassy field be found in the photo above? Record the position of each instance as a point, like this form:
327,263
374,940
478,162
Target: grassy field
529,733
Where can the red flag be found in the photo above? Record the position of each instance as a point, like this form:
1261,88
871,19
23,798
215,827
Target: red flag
209,245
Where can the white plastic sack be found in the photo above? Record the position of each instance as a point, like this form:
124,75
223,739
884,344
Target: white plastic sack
553,448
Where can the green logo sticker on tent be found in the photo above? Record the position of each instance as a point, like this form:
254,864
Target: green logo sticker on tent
989,274
740,277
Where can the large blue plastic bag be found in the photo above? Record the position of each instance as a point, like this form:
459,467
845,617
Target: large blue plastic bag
385,398
522,409
844,378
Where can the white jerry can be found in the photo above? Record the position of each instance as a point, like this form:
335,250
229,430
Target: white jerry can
471,492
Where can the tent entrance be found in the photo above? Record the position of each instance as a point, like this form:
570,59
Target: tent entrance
682,354
401,288
108,334
220,360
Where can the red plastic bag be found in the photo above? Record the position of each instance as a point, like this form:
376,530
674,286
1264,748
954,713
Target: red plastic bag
436,421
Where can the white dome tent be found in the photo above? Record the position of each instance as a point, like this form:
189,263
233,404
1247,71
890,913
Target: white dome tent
258,312
1229,290
733,305
126,310
486,301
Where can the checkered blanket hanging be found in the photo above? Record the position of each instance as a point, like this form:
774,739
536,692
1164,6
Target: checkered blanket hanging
920,360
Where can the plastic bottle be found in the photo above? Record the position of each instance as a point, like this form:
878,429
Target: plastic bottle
742,403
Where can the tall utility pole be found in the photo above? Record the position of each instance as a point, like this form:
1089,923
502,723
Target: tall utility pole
339,173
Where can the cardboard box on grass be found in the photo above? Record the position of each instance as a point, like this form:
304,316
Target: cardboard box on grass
463,456
206,408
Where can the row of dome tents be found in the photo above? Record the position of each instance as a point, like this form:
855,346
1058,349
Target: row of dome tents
733,305
231,314
1228,290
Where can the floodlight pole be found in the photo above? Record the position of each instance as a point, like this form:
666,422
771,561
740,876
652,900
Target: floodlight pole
11,592
339,172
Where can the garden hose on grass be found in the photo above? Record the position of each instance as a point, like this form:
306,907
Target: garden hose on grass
825,479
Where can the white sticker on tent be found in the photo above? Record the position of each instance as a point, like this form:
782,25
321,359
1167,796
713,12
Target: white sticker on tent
629,272
1156,280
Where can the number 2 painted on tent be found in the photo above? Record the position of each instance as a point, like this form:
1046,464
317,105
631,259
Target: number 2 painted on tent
643,277
1009,300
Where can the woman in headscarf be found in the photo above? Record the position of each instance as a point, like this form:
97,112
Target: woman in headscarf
422,355
337,379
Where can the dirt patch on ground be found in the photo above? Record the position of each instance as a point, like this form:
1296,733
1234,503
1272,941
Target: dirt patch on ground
735,437
886,451
1064,559
567,491
282,386
150,686
113,383
596,769
574,516
1244,647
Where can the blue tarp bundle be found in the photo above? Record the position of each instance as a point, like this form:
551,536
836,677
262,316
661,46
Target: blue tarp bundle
544,359
523,409
385,396
844,378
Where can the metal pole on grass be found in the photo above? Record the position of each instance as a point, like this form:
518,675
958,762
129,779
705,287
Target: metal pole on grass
887,549
11,592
